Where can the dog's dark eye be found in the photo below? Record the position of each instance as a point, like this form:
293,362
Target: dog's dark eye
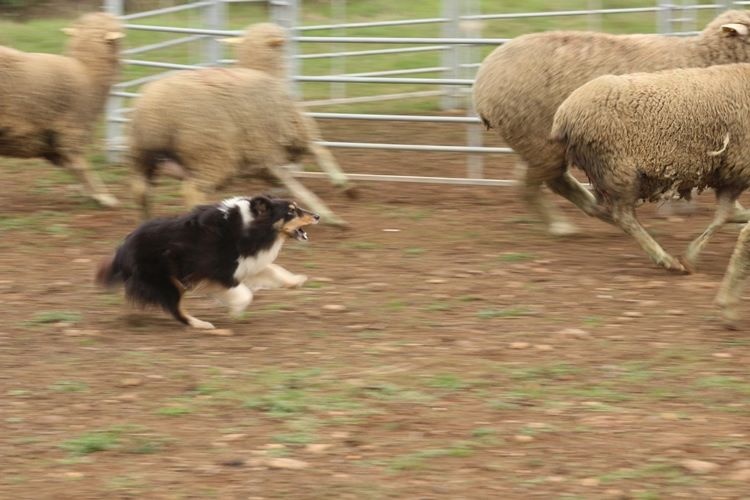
292,213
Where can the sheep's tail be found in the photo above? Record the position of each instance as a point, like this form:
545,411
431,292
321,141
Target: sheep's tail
559,131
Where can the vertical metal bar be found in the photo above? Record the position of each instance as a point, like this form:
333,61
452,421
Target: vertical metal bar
214,18
664,17
338,64
450,56
113,129
286,14
595,20
470,54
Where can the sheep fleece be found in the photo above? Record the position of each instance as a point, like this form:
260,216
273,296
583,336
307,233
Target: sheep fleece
218,123
648,135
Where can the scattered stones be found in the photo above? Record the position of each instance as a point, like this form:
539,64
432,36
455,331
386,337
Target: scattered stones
74,475
543,347
334,307
675,312
698,466
575,333
632,314
523,438
130,382
722,355
317,447
590,481
220,332
81,261
519,345
740,475
233,437
286,463
436,281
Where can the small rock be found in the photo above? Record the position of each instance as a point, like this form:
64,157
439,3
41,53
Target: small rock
51,419
436,281
74,475
220,332
232,437
698,466
669,416
523,438
722,355
286,463
615,493
273,446
741,464
575,333
323,279
334,307
81,261
317,447
543,347
590,481
555,479
127,397
519,345
740,475
632,314
675,312
130,382
233,462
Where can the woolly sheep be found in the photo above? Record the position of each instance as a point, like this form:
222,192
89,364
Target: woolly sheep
211,125
49,103
733,283
521,83
649,136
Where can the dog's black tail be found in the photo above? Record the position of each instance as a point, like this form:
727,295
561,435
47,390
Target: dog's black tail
109,273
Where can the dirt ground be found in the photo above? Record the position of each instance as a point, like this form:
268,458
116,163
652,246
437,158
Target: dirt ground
444,347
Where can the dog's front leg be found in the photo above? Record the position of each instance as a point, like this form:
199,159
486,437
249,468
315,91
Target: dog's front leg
237,299
275,276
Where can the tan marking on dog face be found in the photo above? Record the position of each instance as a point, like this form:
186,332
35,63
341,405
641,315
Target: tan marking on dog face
301,219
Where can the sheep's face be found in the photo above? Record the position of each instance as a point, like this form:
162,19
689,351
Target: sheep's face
283,215
262,47
728,37
96,36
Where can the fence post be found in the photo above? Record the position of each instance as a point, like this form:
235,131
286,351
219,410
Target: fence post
450,56
469,55
337,65
113,129
664,16
286,14
214,18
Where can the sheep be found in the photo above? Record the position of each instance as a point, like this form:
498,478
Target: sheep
649,136
520,85
211,125
49,103
733,283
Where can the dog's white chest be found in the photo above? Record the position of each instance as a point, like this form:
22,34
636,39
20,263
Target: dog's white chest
249,266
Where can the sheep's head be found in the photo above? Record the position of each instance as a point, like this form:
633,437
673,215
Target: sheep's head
95,37
261,47
727,37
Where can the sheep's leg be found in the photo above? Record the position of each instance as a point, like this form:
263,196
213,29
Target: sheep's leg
328,163
724,211
275,276
734,279
305,196
531,192
567,186
624,217
92,184
141,188
740,215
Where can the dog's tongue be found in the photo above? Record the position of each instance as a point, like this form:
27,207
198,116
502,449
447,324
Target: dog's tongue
300,234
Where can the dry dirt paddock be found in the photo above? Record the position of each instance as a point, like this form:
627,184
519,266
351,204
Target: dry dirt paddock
465,355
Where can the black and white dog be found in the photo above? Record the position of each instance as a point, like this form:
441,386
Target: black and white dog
231,245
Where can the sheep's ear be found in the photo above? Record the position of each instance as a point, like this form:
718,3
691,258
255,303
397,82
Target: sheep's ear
114,35
69,31
276,42
231,41
735,29
260,205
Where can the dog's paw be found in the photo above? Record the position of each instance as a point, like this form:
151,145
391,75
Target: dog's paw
198,323
297,281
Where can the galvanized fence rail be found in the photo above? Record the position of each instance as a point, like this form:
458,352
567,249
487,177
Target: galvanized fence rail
458,45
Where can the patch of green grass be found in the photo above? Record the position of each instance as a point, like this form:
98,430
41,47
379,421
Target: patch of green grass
174,411
69,386
516,257
511,312
447,381
417,459
92,442
47,317
593,321
414,252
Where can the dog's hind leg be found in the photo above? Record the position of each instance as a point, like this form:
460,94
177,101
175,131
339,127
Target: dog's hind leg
173,303
275,276
305,196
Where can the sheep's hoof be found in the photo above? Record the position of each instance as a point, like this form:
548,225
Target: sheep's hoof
562,228
677,266
729,318
106,200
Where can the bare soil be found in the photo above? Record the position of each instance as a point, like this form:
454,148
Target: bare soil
467,355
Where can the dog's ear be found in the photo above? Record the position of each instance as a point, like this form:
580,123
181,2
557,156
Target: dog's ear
209,217
260,206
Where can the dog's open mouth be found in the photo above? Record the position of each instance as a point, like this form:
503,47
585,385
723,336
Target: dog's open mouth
300,234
